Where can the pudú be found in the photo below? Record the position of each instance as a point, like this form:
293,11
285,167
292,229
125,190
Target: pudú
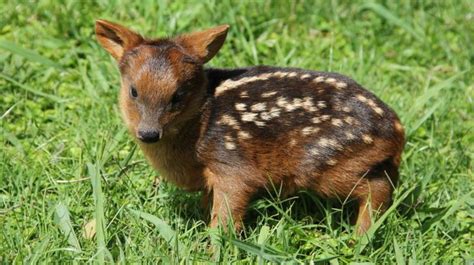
235,132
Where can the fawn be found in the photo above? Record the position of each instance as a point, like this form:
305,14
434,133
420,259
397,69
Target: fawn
234,132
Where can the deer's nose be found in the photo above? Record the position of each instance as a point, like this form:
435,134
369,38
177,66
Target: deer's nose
149,136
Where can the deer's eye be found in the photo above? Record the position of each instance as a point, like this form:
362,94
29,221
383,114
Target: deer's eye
133,92
177,97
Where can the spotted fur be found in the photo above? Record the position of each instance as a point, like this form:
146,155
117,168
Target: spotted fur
236,132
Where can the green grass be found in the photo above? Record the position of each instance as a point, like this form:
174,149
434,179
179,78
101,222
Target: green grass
66,159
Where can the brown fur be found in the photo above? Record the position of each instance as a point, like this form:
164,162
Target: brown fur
236,132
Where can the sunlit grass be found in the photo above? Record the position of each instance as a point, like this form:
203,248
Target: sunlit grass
66,161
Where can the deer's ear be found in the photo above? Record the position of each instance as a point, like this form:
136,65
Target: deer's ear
116,39
204,44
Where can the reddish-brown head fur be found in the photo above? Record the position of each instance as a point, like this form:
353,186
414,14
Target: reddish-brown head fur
161,78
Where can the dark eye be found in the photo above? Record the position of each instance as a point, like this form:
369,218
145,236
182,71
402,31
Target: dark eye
133,92
177,97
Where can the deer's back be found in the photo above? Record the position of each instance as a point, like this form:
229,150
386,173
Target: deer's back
285,121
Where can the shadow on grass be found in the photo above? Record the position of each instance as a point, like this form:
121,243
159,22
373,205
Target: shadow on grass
303,207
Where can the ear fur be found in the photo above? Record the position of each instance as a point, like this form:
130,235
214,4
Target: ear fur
204,44
116,39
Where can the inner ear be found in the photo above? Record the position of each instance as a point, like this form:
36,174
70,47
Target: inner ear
116,39
204,44
110,35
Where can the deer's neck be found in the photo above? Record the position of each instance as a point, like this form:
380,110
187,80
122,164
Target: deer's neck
175,156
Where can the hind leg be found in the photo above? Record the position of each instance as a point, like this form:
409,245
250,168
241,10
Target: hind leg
374,197
375,201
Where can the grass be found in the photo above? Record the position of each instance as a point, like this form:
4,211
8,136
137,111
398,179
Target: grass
74,187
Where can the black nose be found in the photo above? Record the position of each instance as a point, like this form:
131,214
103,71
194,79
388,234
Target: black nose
149,136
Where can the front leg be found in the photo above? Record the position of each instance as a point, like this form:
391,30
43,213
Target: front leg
206,201
230,198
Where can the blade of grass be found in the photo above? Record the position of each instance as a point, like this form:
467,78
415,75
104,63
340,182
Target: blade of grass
393,19
102,250
425,117
31,90
398,253
454,206
63,220
26,53
422,101
261,251
38,251
163,228
263,235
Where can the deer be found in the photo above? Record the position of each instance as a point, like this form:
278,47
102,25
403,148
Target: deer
233,133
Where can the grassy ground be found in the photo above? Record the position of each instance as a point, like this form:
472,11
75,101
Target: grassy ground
68,169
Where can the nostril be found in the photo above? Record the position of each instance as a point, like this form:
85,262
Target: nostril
148,136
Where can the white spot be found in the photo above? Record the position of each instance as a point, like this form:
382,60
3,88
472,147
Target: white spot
378,110
268,94
349,119
240,106
316,120
297,103
258,107
323,142
336,122
309,130
228,120
248,116
374,106
367,139
325,117
265,116
319,79
371,103
308,104
280,74
282,102
229,145
331,162
260,123
274,112
290,108
321,104
346,109
340,85
305,76
350,136
243,135
292,74
314,151
231,84
331,81
361,98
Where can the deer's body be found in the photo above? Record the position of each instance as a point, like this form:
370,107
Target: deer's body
236,132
